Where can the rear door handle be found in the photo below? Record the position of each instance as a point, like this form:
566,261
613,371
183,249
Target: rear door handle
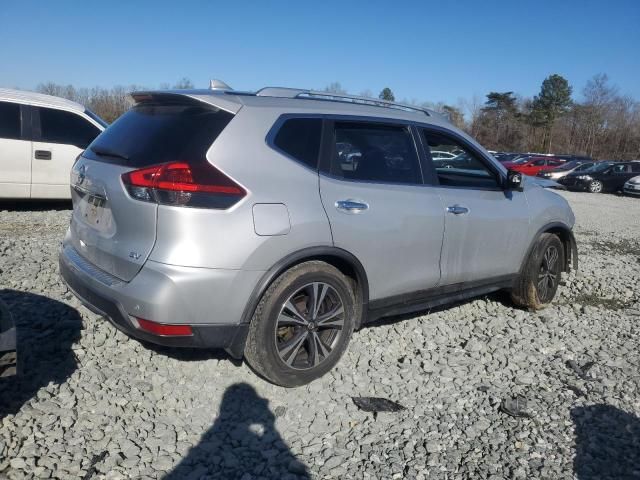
43,154
351,206
457,209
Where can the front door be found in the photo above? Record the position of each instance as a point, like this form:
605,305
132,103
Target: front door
378,207
486,228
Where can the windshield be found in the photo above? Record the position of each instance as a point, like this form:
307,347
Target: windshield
520,161
95,117
567,166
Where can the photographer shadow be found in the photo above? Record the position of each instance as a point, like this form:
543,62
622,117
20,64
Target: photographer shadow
607,443
243,440
46,331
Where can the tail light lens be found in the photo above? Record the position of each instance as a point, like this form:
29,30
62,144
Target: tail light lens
183,184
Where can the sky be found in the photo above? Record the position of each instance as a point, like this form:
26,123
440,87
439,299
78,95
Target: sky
423,50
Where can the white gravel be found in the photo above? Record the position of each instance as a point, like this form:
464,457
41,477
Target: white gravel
92,403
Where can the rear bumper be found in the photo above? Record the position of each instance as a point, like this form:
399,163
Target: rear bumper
168,295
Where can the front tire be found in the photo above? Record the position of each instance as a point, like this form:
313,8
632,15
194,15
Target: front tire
595,186
302,325
538,282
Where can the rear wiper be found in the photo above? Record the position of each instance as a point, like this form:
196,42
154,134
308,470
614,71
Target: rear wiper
108,152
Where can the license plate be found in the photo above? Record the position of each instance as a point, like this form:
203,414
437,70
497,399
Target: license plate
94,210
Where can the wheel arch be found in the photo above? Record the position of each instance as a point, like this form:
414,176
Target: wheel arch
564,232
344,261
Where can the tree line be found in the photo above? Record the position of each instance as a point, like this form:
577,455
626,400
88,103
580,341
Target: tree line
603,123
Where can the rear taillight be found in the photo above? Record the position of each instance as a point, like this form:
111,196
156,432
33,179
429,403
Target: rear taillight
183,184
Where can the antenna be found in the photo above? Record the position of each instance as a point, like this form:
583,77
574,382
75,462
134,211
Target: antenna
216,84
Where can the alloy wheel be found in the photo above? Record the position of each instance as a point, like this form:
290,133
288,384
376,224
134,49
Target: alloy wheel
595,186
309,326
549,274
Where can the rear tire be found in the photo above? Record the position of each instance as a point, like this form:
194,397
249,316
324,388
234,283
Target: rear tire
538,282
302,325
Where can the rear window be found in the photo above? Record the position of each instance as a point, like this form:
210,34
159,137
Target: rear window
150,134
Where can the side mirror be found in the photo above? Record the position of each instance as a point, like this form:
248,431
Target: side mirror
513,181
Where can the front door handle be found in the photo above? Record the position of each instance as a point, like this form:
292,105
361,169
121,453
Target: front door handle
457,209
43,154
351,206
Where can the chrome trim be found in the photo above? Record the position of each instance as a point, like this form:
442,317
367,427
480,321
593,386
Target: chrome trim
351,206
457,209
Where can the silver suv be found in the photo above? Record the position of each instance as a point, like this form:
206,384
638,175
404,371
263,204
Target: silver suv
273,224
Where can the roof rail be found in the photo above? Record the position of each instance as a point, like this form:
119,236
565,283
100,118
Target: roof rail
337,97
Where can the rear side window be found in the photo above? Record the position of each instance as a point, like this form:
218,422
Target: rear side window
635,167
300,138
375,153
10,120
59,126
154,133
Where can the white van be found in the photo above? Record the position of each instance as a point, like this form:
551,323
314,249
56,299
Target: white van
40,138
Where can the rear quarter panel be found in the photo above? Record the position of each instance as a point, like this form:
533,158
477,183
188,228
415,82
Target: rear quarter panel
227,238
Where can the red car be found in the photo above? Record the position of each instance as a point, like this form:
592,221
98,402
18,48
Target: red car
533,165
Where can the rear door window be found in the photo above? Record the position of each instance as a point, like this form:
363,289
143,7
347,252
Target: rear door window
154,133
10,120
60,126
375,153
300,139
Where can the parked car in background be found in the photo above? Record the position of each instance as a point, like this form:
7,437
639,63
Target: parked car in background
226,220
576,158
505,157
564,170
632,186
533,165
40,138
602,177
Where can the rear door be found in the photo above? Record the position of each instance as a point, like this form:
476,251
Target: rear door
59,137
15,151
111,228
378,207
486,228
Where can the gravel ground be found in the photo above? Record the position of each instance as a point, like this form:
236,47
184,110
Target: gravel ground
92,403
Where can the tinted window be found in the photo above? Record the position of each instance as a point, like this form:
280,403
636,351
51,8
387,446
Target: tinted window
463,170
58,126
376,153
157,133
635,167
538,163
10,120
621,168
300,138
